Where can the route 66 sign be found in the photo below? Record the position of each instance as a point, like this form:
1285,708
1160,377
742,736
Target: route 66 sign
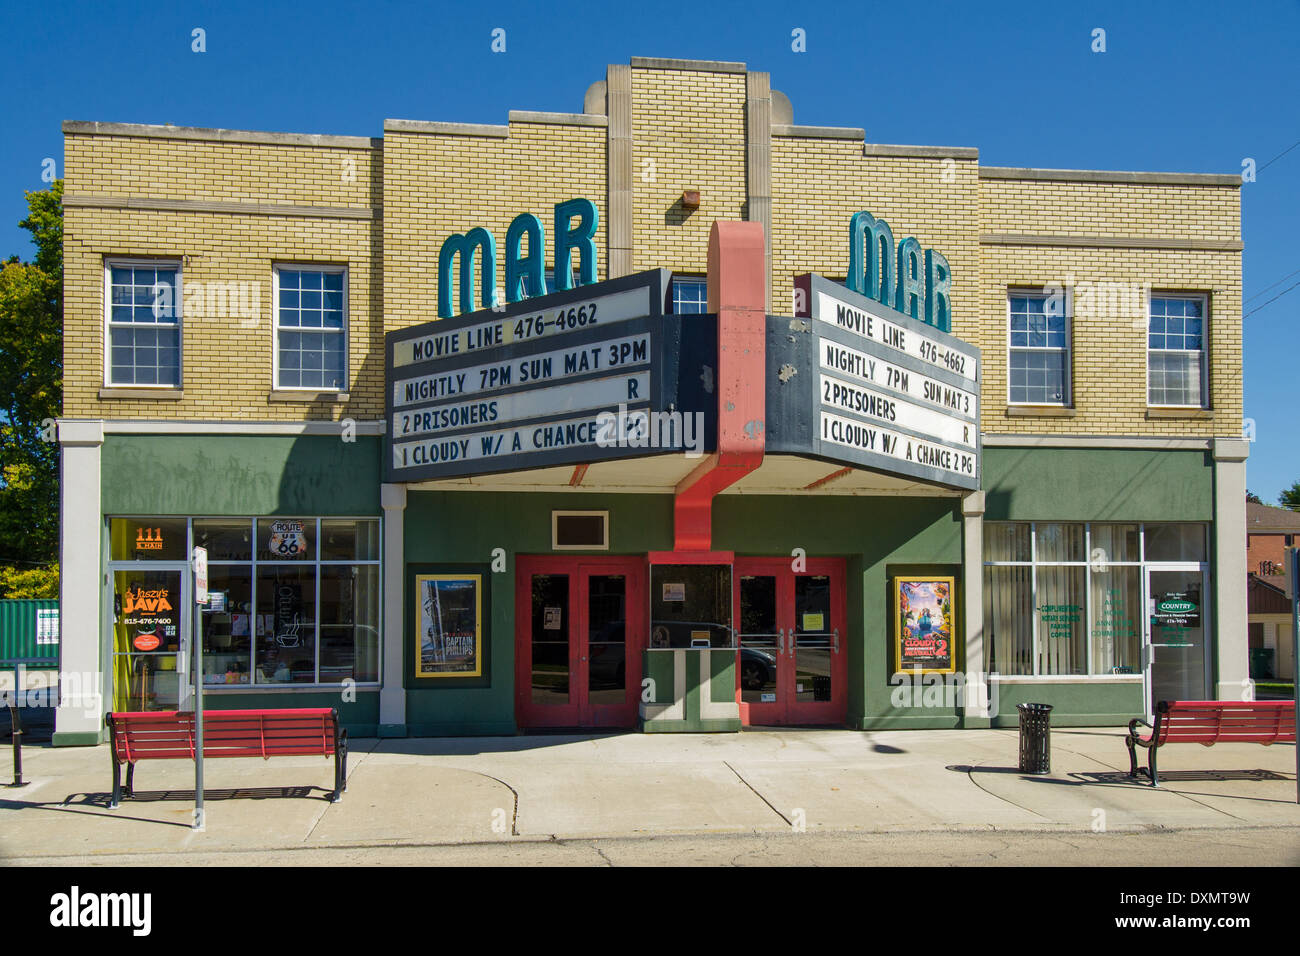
288,539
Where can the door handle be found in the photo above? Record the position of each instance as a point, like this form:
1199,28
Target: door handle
780,640
835,639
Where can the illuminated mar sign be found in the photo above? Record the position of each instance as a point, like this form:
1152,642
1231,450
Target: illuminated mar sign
478,244
908,279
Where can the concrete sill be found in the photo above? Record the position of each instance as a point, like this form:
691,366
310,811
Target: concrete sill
1039,411
1176,414
333,398
147,394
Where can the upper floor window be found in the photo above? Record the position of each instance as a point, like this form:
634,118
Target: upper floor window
690,295
1176,351
143,299
311,327
1039,353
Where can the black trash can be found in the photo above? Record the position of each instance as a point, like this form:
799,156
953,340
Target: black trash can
1035,738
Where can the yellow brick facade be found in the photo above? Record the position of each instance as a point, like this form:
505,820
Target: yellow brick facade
688,133
384,207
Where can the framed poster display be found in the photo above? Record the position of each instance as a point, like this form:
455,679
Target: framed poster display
449,625
923,625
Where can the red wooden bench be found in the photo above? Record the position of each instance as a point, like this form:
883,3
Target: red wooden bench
1210,722
169,734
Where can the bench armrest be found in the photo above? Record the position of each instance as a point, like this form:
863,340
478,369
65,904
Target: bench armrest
1137,737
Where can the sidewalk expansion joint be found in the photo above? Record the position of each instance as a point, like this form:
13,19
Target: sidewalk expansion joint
787,820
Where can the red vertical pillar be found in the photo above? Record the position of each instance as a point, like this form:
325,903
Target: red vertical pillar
738,294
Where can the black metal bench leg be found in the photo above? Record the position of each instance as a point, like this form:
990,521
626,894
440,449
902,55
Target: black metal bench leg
340,767
1132,757
117,785
1151,761
130,779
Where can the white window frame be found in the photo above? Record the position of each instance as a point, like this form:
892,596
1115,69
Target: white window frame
253,686
1142,563
1204,298
694,279
125,262
1067,400
555,530
275,324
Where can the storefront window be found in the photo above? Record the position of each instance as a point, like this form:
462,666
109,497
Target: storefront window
1009,619
1175,542
286,624
1071,605
1116,626
302,599
349,630
228,635
286,539
690,605
1062,647
147,539
1058,542
349,540
225,539
1005,541
1115,542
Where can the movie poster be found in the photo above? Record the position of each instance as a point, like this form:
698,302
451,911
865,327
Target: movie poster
450,626
924,625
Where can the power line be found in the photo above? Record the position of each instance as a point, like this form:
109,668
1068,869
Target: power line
1267,287
1274,299
1278,156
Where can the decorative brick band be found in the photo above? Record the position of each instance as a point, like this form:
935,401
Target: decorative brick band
232,208
1110,242
149,131
921,152
445,129
1110,176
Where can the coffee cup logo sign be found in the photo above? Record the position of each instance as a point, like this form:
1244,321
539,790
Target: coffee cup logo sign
288,538
146,642
288,603
148,539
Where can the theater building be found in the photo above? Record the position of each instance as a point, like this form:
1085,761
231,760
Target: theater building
671,414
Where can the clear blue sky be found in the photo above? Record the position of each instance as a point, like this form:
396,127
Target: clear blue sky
1182,86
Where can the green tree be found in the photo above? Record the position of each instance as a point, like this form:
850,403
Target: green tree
1252,498
31,390
1290,498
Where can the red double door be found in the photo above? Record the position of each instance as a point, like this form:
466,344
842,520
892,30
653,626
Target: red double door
791,660
580,628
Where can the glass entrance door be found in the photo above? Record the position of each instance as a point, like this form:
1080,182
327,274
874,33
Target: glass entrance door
149,613
791,667
580,630
1177,625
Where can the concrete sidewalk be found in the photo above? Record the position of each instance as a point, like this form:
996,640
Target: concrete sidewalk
441,791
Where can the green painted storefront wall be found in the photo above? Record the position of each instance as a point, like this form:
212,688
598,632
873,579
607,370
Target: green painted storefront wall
240,475
1079,704
1097,484
360,716
878,537
463,529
